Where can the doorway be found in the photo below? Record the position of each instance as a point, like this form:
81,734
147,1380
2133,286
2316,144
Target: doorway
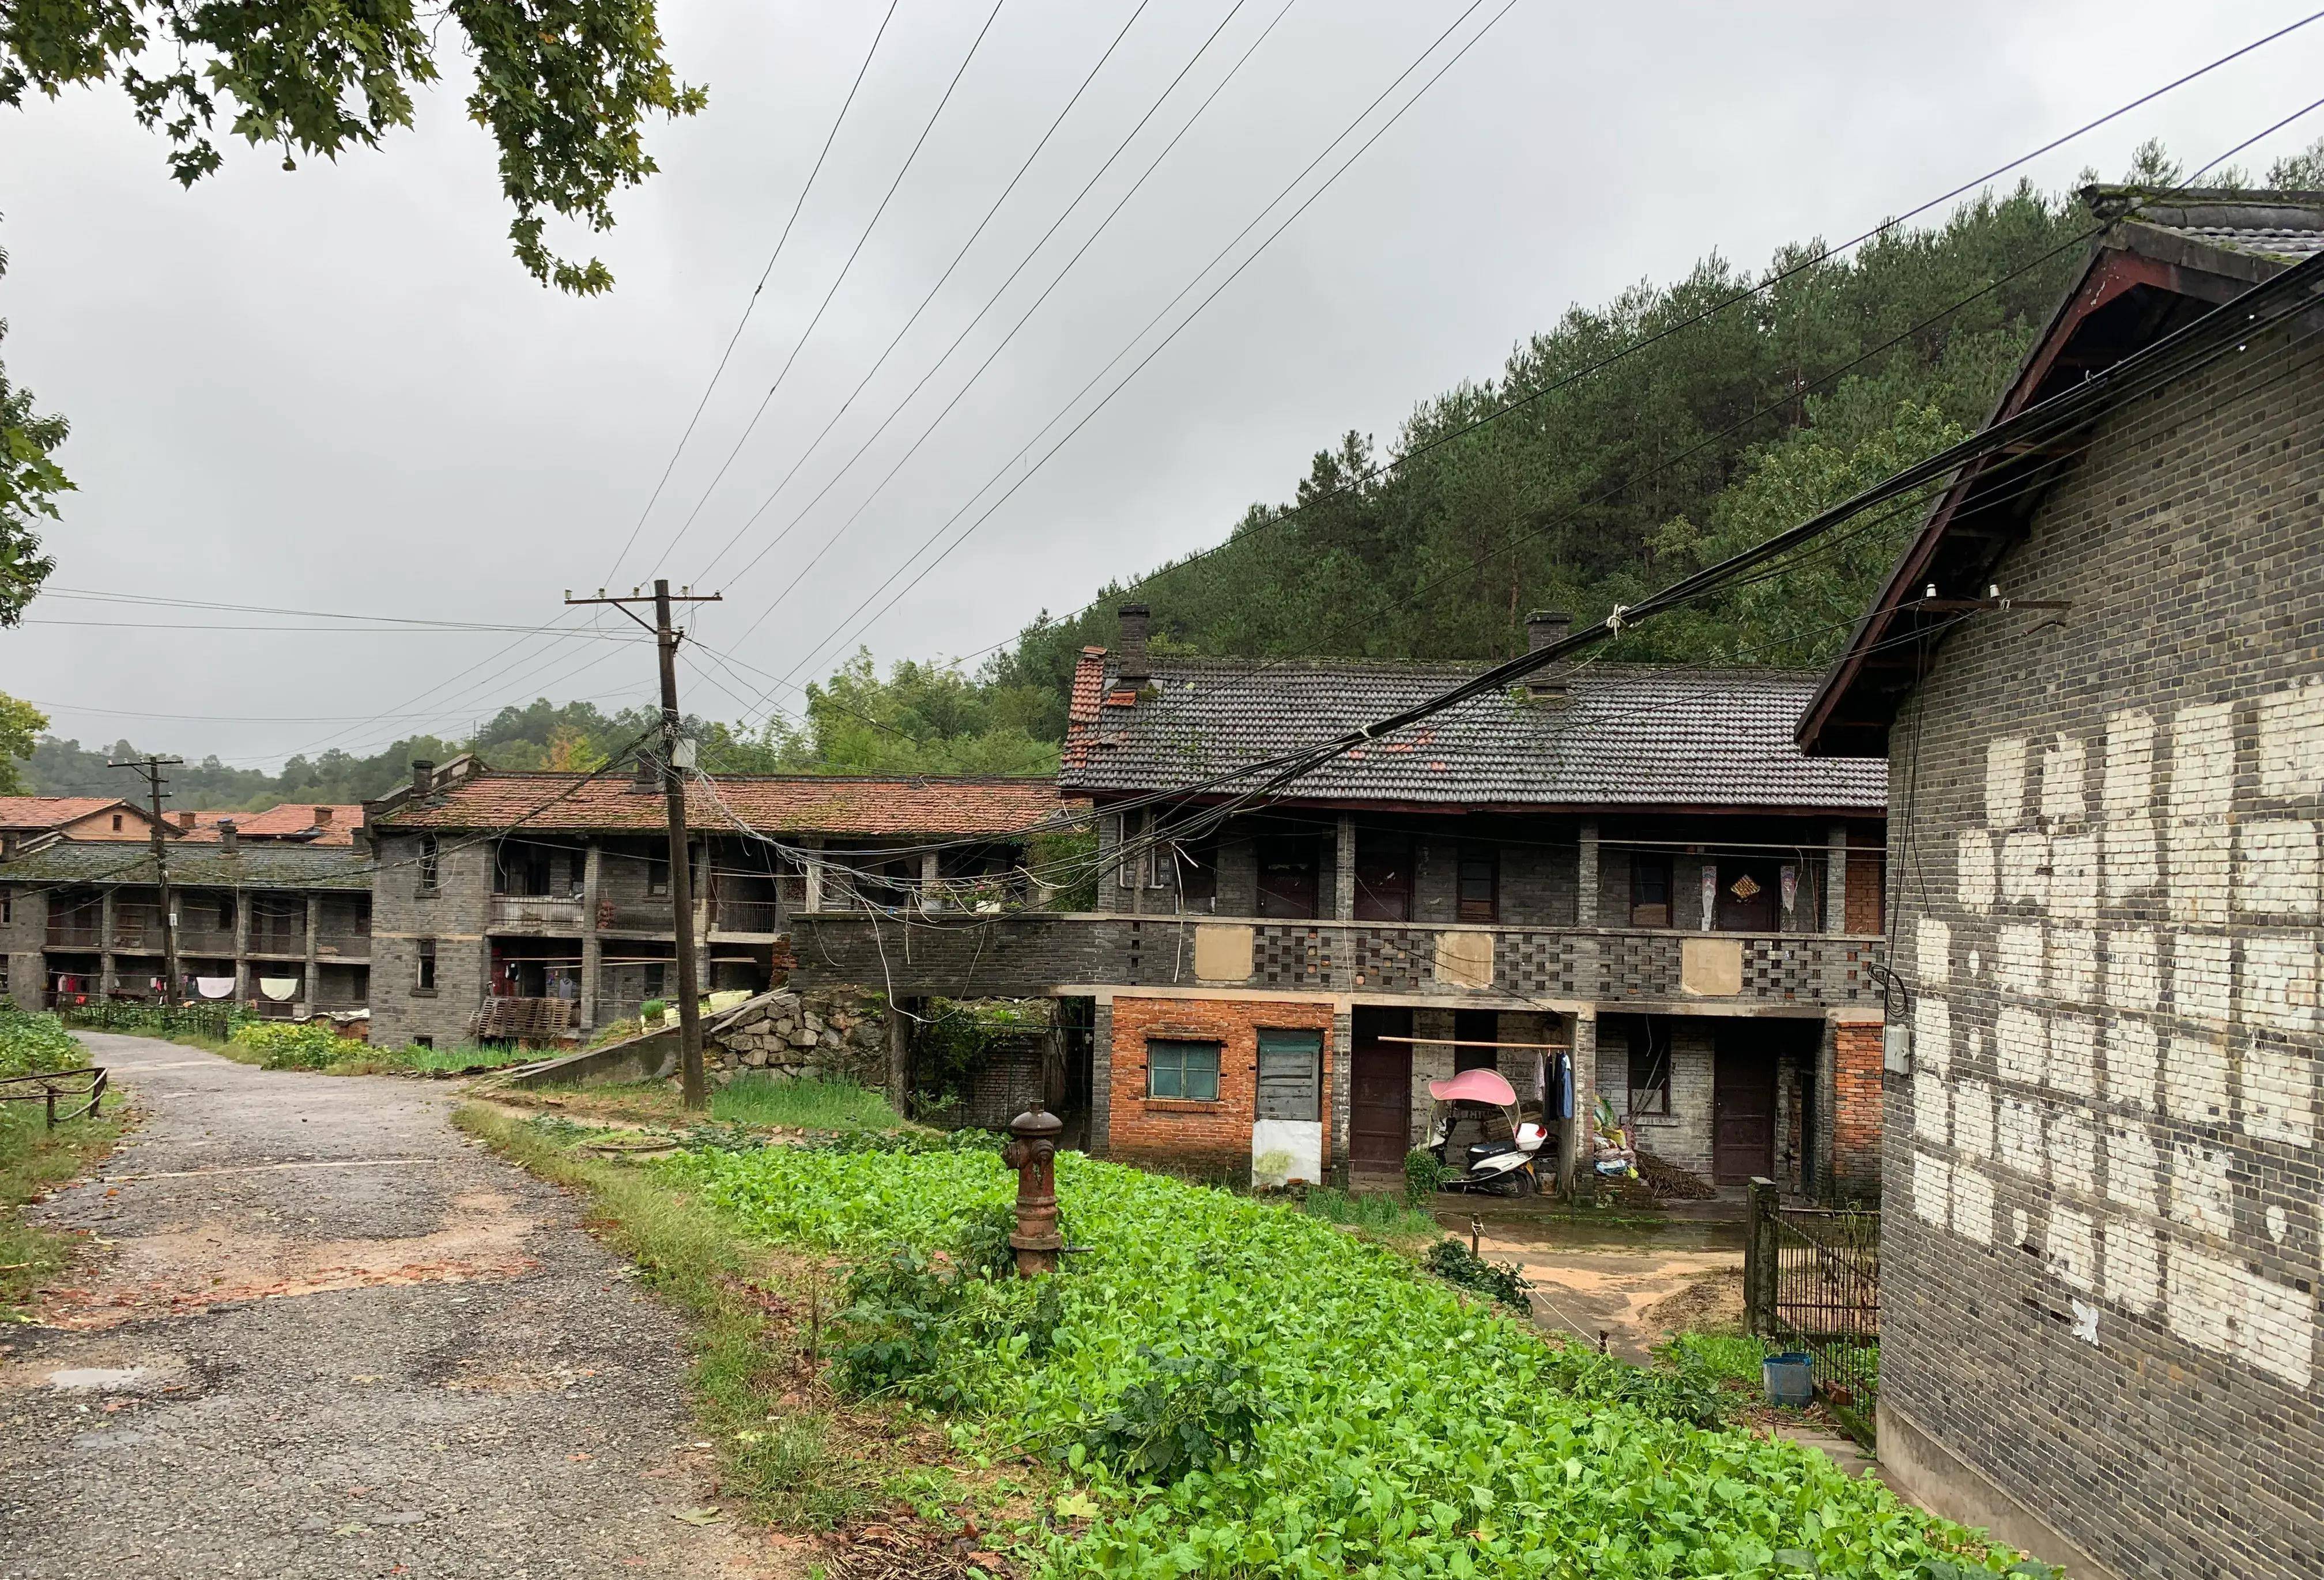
1379,1107
1742,1108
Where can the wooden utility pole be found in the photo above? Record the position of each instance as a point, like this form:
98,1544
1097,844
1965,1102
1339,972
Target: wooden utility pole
172,989
674,763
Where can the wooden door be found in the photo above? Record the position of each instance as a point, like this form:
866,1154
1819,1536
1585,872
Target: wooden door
1742,1111
1747,897
1380,1107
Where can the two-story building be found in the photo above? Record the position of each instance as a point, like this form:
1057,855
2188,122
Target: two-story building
537,905
24,819
283,929
1631,868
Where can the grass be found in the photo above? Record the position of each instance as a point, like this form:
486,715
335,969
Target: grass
1375,1212
1726,1358
814,1104
757,1319
33,1157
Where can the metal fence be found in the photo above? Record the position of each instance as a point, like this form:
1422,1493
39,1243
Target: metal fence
1812,1282
58,1090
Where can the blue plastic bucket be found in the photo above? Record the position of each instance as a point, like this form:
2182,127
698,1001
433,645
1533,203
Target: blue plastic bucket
1790,1378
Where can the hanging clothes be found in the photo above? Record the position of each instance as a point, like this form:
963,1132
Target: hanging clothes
1565,1084
282,989
214,987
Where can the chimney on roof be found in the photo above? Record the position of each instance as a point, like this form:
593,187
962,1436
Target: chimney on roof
645,778
229,836
1545,628
185,820
1132,667
322,817
423,776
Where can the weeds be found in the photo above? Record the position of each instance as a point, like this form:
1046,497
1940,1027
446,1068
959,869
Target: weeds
33,1157
1454,1262
1377,1212
805,1104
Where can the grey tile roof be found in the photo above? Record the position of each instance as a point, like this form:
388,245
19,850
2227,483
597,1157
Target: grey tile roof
2282,227
286,866
1625,735
2265,242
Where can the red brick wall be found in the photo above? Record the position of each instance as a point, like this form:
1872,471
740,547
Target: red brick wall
1867,873
1856,1122
1206,1136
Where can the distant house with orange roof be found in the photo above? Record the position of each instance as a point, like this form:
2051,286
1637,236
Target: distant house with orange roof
25,818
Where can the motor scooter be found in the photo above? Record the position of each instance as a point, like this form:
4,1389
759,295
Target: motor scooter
1504,1168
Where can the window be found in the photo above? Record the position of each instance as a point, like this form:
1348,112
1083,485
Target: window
424,979
430,872
1187,1071
423,1041
7,905
1198,873
1650,1067
1290,1075
1474,1033
1383,877
117,823
1650,891
656,980
1286,876
1479,884
658,874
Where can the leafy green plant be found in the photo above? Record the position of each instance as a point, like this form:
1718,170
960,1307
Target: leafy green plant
1406,1430
1185,1413
31,1043
652,1010
1424,1174
295,1044
1454,1262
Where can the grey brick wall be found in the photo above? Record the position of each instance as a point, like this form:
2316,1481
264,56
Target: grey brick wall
453,916
2101,1247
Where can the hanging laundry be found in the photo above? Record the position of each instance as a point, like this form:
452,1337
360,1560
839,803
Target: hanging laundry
214,987
282,989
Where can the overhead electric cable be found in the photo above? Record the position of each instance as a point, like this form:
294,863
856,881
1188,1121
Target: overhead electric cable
1772,280
840,278
993,300
752,304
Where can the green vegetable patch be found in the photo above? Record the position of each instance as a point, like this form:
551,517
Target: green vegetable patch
1239,1390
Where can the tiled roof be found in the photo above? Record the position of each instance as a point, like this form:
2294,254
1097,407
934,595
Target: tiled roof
2285,227
51,812
771,803
293,820
266,865
1623,735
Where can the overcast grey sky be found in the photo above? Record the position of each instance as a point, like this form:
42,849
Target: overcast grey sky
334,390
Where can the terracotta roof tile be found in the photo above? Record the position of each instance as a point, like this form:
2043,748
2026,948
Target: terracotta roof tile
771,803
51,812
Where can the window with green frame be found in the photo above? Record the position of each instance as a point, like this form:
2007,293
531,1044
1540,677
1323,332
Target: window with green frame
1183,1070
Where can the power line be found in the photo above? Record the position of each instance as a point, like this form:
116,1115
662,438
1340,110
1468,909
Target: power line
750,305
993,300
805,335
1531,397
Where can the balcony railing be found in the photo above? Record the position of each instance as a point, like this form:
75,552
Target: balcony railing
1032,953
342,943
88,934
277,941
747,916
558,911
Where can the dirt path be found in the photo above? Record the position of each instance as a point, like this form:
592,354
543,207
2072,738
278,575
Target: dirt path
331,1336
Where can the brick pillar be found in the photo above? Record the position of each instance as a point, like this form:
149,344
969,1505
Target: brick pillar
814,872
307,979
1344,852
1856,1110
106,978
1573,1134
243,986
931,881
1585,878
1342,1087
1835,879
592,952
1101,1077
1827,1098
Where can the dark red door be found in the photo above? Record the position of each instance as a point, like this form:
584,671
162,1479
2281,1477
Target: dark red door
1379,1109
1742,1111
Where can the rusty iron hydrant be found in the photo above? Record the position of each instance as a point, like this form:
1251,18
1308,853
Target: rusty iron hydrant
1033,1152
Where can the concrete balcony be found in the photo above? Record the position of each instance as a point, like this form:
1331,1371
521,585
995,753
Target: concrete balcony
1031,953
344,946
536,914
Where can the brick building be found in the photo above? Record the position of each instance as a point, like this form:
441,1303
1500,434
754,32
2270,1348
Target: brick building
282,929
2100,1257
537,903
1631,865
24,819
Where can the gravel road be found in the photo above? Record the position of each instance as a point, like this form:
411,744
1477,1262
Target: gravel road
326,1334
